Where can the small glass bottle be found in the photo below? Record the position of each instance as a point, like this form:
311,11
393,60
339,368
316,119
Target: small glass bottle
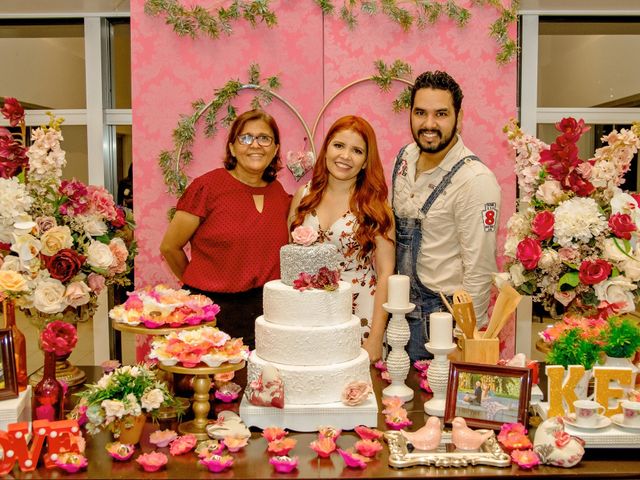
48,394
19,342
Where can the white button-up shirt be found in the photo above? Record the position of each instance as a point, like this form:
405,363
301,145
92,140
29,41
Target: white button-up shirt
458,248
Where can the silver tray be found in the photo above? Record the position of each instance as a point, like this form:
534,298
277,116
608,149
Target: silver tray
490,453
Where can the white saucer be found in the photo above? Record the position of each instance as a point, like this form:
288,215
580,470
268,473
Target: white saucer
617,419
601,423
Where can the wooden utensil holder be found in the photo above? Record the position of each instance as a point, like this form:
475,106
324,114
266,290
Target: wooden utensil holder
481,350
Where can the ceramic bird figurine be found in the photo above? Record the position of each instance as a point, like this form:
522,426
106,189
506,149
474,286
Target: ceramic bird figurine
427,437
465,438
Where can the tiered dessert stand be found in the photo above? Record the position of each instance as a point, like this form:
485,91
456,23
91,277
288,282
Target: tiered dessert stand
201,386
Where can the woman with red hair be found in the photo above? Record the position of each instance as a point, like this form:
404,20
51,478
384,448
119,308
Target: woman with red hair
346,202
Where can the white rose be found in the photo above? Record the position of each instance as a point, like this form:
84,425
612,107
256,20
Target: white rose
152,399
617,290
517,274
550,192
26,246
510,246
48,296
548,259
113,408
55,239
631,268
612,250
93,225
105,380
12,281
99,255
11,262
77,293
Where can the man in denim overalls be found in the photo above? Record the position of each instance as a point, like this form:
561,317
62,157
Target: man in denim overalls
446,204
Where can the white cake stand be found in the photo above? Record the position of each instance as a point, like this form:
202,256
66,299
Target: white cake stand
438,378
398,360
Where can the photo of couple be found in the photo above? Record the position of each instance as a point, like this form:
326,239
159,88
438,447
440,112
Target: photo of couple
488,397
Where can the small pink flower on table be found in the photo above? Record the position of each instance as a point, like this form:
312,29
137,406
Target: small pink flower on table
525,459
381,365
183,444
422,365
228,392
368,433
120,451
273,433
513,436
234,443
368,448
284,464
162,438
329,432
353,460
323,446
71,462
281,446
217,463
152,462
209,447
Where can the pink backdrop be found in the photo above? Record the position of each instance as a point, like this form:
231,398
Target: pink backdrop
313,56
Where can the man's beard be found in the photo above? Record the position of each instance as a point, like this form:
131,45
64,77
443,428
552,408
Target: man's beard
444,141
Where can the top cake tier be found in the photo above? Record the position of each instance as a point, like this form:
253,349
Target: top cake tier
297,259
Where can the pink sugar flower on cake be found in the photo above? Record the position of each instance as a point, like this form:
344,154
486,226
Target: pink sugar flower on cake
368,448
273,433
120,451
209,447
235,443
71,462
305,236
353,460
356,393
323,446
329,432
367,433
281,446
152,462
162,438
284,464
217,463
183,444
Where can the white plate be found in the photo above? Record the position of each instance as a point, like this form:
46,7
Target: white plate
601,423
617,419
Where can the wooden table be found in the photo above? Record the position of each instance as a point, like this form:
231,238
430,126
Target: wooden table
252,461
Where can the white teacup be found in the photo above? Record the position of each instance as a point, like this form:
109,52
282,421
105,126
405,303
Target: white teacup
631,413
587,412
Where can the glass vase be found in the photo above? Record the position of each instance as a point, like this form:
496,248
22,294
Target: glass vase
19,342
48,394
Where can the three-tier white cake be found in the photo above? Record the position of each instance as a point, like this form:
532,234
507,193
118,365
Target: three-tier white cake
313,340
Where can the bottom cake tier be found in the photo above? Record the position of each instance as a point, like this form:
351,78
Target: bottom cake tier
309,385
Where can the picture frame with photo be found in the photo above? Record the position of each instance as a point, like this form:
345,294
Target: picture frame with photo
8,375
487,396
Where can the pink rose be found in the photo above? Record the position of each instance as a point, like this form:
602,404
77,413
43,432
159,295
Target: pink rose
621,225
95,282
304,235
542,225
45,223
529,252
120,254
568,254
355,393
101,202
592,272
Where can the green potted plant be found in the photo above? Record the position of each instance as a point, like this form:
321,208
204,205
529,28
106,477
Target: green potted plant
621,338
572,348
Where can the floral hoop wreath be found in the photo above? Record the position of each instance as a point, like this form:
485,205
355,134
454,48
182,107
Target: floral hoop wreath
175,161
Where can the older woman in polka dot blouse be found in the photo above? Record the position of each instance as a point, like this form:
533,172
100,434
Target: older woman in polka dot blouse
235,220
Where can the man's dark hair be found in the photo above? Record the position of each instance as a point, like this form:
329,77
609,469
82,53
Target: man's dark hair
439,81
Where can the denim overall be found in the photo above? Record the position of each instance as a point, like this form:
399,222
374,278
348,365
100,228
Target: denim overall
408,239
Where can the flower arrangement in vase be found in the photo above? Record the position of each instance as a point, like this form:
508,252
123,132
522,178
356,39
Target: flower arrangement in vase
122,395
573,244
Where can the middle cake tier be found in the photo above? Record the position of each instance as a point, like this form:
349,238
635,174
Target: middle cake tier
308,385
303,345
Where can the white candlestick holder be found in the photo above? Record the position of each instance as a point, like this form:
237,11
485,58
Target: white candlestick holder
398,360
438,378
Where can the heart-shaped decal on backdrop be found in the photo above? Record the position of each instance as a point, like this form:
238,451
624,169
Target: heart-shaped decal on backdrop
299,163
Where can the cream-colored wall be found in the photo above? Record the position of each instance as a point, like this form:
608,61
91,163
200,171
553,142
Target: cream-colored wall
587,70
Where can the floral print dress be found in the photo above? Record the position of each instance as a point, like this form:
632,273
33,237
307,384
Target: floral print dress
359,273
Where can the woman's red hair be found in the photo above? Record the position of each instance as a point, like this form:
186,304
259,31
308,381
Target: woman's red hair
368,202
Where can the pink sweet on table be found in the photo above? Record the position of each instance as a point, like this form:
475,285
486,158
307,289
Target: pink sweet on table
183,444
152,462
273,433
367,433
353,460
235,443
217,463
228,392
397,421
329,432
71,462
284,464
368,448
281,446
120,451
209,447
525,459
162,438
323,446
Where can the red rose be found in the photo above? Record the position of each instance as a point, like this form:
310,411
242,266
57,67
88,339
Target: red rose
542,225
121,218
65,264
529,252
58,337
636,197
621,225
592,272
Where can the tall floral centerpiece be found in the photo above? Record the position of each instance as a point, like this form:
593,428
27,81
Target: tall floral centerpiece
61,241
573,244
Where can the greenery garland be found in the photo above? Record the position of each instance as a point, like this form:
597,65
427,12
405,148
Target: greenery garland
197,20
173,162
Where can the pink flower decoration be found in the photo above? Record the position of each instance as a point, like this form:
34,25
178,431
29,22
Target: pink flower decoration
424,385
228,392
392,404
368,448
386,376
224,377
209,447
513,436
397,422
356,393
217,463
284,464
71,462
562,438
235,444
367,433
109,365
421,365
353,460
120,451
152,462
329,432
273,433
162,438
183,444
282,446
526,459
323,446
304,235
381,365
